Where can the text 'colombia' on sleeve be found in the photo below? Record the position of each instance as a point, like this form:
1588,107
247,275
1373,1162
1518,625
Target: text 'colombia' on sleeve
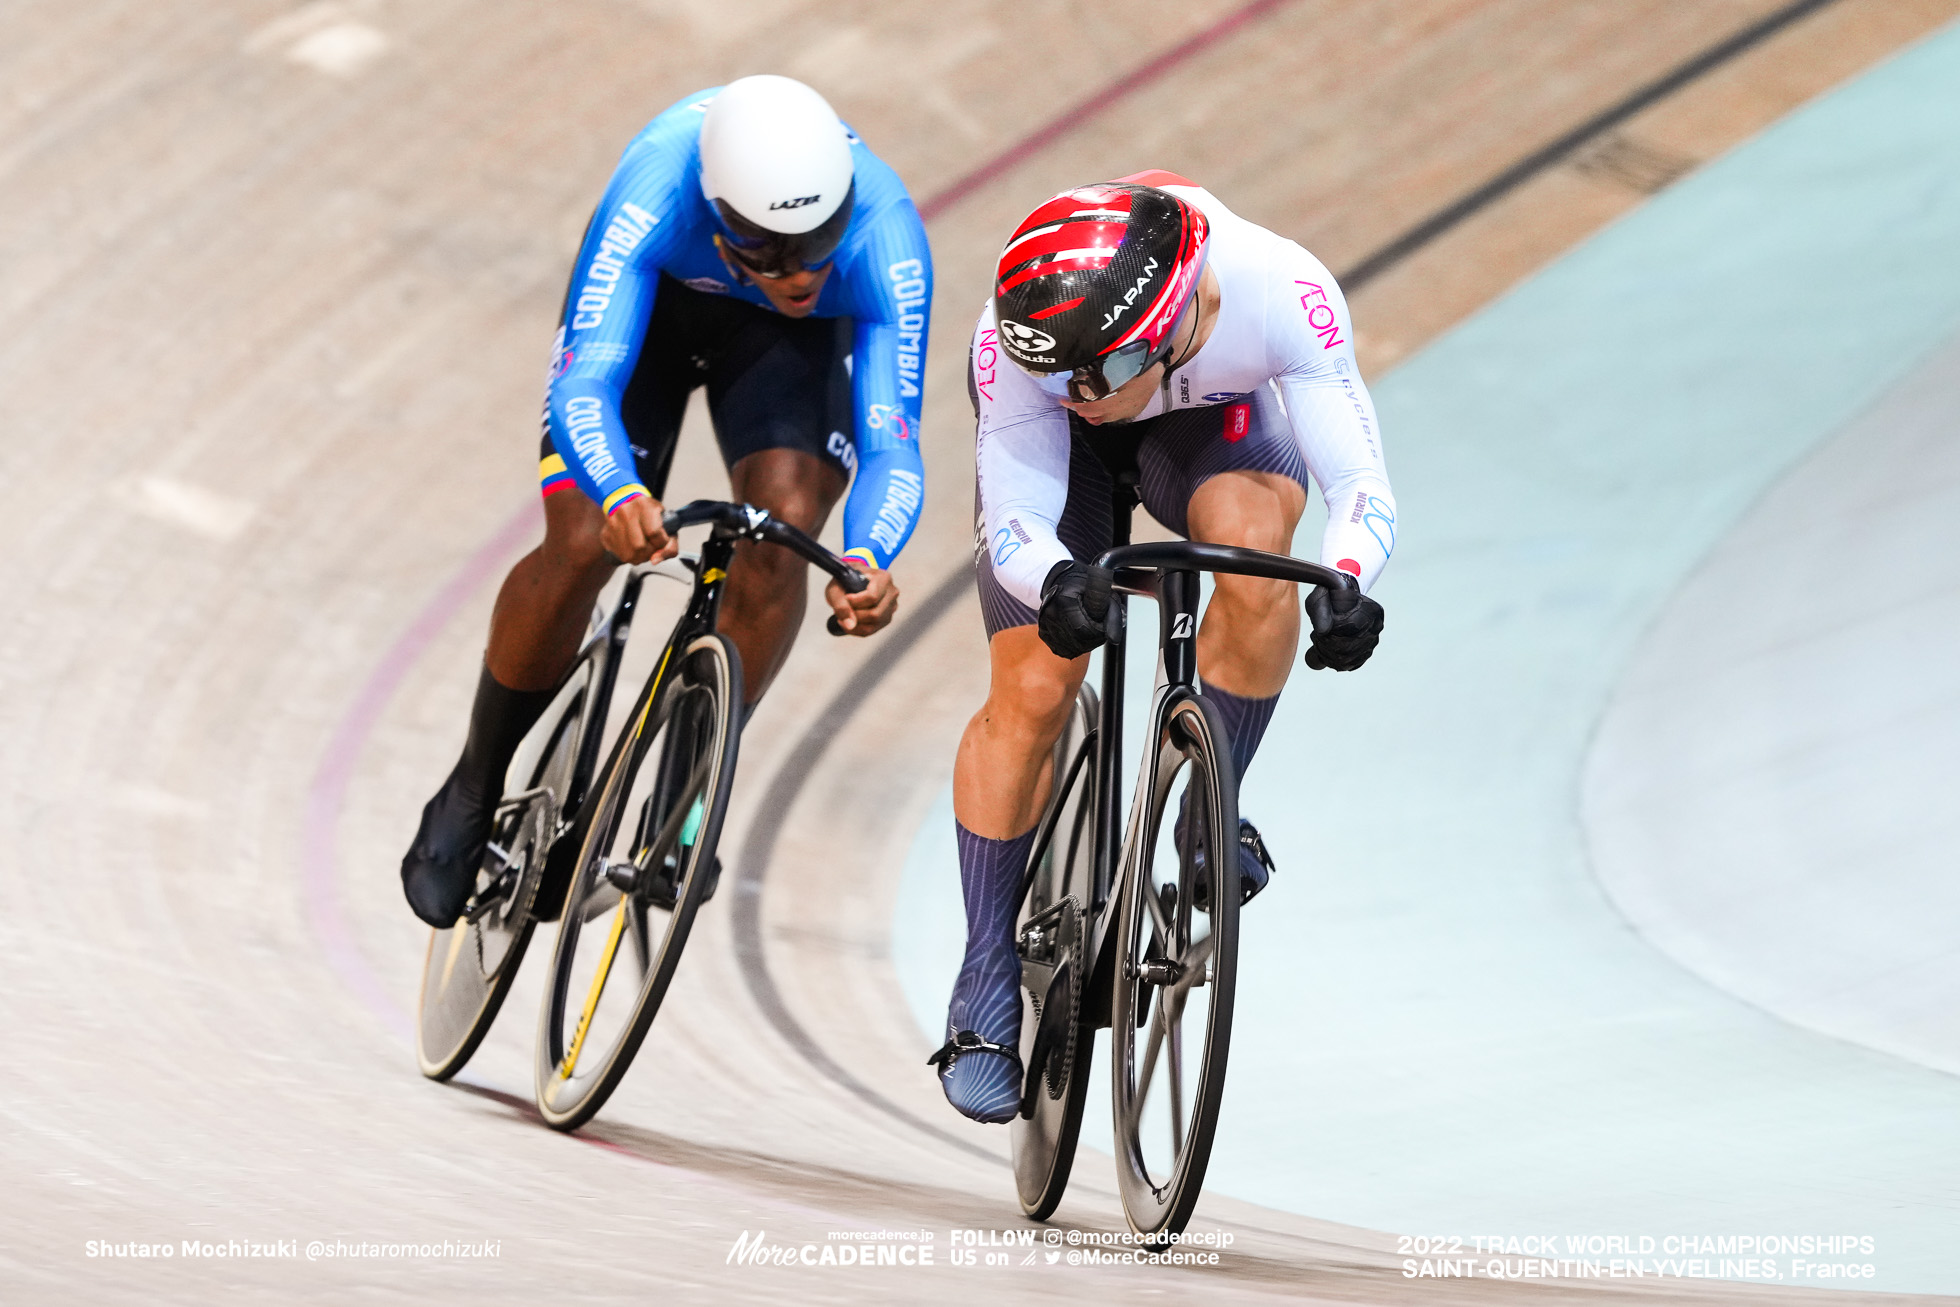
888,358
606,310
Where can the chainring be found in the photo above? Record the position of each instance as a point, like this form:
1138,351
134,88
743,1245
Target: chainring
1051,951
529,845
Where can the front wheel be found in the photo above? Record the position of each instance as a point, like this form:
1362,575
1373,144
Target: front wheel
1176,965
649,852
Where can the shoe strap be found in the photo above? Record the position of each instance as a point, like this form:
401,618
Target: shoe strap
969,1041
1251,841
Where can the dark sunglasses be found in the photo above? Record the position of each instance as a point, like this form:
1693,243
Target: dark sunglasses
770,265
774,254
1107,373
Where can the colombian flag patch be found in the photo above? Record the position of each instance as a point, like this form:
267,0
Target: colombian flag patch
553,477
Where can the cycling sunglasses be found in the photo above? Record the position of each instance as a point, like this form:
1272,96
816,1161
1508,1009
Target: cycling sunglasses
1107,373
774,254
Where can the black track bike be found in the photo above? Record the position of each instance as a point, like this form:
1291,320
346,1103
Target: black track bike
1135,927
621,853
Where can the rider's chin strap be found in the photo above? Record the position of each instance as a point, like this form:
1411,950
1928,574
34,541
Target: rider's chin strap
1172,365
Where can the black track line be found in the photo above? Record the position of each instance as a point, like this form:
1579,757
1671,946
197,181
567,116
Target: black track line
1473,202
759,848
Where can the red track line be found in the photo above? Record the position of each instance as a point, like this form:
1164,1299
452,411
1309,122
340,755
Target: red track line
327,795
1068,120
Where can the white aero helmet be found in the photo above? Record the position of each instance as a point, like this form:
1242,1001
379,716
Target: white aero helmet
776,168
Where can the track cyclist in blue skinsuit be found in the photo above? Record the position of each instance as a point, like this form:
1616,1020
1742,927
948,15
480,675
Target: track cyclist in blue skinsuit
748,242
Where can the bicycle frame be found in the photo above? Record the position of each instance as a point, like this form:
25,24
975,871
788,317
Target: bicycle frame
607,643
1167,572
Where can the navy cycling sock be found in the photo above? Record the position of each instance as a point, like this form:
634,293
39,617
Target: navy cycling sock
1245,721
990,875
987,996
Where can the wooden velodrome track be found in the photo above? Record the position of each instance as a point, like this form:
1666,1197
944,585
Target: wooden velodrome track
277,285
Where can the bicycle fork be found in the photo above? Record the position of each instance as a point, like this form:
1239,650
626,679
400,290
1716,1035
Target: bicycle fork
1118,852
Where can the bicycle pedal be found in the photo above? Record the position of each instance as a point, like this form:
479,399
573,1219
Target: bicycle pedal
485,900
663,892
1252,842
661,887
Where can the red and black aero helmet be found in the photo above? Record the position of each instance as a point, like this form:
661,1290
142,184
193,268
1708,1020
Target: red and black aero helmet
1092,282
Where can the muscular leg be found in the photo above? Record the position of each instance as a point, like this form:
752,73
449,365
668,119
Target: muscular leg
535,628
767,584
1000,781
1000,777
546,601
1251,628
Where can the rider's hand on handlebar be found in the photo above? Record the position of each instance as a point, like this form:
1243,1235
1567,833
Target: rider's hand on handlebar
634,534
1074,608
871,608
1347,625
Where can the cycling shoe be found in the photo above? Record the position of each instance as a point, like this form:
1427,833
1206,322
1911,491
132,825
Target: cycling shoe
439,870
988,1090
980,1063
1255,865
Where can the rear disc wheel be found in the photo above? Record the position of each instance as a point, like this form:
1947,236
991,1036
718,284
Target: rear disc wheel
1051,936
469,966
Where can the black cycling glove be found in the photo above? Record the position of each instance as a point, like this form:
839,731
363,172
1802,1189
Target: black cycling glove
1347,625
1074,607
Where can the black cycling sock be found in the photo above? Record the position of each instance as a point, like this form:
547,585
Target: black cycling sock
439,871
1245,721
499,720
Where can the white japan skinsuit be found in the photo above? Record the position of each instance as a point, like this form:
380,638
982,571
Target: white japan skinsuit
1282,338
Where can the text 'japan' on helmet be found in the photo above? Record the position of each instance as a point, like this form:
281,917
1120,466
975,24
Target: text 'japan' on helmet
776,169
1093,281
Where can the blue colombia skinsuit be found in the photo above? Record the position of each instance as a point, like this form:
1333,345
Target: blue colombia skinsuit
655,223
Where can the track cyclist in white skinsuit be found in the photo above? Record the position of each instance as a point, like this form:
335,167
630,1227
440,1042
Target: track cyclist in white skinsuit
1142,320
